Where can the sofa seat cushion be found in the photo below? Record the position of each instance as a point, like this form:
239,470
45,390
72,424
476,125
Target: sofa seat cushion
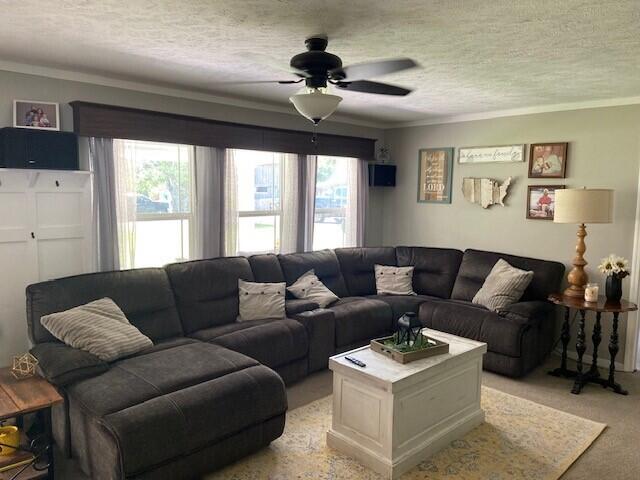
401,304
359,318
502,334
177,401
270,342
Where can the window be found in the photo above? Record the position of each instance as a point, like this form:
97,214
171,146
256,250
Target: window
259,177
160,194
336,185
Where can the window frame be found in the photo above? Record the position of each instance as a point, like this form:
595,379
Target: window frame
276,213
173,216
331,211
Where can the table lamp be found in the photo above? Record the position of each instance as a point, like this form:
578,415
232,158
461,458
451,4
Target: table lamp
581,206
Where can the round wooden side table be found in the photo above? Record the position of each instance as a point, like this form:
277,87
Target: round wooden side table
593,374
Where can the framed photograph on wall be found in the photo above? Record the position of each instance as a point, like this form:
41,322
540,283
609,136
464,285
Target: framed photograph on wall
435,171
36,114
548,160
541,201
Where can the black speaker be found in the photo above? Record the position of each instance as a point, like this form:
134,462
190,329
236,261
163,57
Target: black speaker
25,148
382,175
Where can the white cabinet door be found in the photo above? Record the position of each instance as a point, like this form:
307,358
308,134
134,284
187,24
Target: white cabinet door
61,208
17,262
45,233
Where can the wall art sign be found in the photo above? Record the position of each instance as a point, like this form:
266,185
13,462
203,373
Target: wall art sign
36,114
548,160
495,154
435,171
485,191
541,201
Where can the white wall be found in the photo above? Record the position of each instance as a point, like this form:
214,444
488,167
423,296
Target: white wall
603,152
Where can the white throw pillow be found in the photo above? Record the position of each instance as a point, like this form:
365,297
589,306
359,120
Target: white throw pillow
394,280
309,287
261,301
504,286
98,327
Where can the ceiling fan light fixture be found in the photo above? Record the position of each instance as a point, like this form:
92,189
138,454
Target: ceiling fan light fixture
315,103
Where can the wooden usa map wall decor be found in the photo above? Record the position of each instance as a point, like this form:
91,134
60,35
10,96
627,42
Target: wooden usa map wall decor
485,191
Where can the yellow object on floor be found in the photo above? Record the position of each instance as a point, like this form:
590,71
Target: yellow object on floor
9,440
520,439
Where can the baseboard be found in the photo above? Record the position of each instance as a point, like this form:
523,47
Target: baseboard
587,359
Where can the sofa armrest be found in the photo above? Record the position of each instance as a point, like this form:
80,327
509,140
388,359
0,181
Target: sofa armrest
299,305
529,313
62,365
321,331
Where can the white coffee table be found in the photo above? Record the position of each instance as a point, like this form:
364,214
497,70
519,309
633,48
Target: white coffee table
391,416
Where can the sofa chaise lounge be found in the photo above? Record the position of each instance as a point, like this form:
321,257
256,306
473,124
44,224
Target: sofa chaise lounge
211,389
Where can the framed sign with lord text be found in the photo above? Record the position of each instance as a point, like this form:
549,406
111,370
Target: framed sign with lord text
435,171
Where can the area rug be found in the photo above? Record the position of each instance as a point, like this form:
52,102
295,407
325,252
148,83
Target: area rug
519,440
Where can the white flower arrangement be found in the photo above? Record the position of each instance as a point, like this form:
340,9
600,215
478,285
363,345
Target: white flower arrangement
614,265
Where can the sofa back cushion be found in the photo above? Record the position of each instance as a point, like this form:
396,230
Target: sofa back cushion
144,295
435,269
266,268
206,291
357,265
324,263
476,265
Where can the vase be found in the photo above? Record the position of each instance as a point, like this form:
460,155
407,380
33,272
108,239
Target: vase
613,288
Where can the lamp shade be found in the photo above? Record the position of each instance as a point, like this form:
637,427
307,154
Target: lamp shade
583,205
315,105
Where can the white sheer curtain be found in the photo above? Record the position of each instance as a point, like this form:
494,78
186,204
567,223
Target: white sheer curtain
125,201
230,215
209,205
101,164
289,202
357,200
307,203
363,201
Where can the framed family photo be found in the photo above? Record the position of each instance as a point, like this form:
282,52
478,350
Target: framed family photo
541,201
435,171
548,160
36,114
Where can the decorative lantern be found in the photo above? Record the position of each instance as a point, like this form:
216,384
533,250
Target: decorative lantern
409,330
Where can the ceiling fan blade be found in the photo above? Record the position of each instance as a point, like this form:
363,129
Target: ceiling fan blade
367,86
361,71
252,82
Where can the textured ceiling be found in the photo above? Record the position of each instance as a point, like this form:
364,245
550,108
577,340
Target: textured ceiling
476,55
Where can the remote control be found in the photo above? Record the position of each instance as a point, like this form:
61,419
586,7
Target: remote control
355,361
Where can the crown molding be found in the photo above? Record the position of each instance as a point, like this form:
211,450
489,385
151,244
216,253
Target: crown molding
105,81
516,112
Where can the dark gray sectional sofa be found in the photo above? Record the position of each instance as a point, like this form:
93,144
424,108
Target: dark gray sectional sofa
212,390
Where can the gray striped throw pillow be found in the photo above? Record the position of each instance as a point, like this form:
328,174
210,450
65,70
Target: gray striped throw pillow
503,286
98,327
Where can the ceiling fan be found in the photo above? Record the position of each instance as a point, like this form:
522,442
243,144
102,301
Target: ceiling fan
318,69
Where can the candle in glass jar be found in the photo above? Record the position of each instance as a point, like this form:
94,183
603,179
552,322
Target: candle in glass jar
591,292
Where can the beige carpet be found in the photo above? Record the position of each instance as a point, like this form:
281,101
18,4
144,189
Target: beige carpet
520,439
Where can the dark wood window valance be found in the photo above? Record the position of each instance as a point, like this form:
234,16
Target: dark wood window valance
97,120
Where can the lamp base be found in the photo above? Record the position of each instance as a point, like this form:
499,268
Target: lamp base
574,291
577,277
